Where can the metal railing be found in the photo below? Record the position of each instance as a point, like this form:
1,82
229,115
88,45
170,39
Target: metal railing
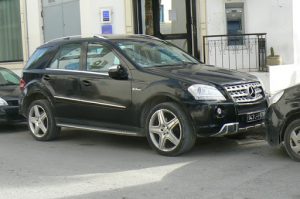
244,52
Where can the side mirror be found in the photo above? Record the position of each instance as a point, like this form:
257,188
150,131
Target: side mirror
118,72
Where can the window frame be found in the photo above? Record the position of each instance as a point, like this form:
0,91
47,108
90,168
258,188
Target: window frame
58,53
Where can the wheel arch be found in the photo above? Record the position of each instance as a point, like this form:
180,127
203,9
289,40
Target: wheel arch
289,120
153,101
33,96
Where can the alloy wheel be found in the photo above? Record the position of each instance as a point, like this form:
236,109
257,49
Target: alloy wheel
295,141
38,121
165,130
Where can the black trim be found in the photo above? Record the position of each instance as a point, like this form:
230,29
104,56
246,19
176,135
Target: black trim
191,24
195,30
11,61
137,13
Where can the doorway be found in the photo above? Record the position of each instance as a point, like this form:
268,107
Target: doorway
172,20
61,18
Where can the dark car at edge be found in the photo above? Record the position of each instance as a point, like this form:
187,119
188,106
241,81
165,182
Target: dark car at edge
9,97
136,85
283,121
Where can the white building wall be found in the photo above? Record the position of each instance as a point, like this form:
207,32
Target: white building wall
273,17
296,22
34,25
90,16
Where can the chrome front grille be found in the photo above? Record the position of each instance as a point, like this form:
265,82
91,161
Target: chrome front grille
246,93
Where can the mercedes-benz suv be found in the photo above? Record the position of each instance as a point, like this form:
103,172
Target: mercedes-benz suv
136,86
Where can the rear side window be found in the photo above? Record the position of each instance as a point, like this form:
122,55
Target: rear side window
36,57
68,58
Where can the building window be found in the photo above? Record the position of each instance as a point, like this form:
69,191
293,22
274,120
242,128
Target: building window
161,14
235,23
10,31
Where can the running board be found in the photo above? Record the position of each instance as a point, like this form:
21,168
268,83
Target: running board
102,130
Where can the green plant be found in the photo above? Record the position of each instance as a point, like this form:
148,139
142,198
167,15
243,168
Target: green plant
272,52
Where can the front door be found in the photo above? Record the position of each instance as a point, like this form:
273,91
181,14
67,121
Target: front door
172,20
104,100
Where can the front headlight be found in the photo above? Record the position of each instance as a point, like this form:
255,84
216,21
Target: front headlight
204,92
276,97
3,102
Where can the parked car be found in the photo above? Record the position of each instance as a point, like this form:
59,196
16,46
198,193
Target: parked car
9,97
137,86
283,121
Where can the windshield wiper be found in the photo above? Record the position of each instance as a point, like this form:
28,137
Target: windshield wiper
186,63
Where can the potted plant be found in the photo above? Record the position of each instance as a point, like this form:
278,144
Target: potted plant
274,59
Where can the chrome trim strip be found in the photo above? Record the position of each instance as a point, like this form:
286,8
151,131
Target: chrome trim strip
77,71
233,128
250,127
102,130
89,102
229,128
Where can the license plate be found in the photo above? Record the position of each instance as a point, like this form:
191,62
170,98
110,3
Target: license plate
252,117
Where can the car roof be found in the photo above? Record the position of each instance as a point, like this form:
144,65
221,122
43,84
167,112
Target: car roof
80,38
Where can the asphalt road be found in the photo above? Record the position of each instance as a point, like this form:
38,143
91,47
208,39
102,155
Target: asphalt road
90,165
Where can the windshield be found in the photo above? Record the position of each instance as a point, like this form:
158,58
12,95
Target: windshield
8,78
155,53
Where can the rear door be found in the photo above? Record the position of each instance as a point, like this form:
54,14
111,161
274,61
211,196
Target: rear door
62,79
105,100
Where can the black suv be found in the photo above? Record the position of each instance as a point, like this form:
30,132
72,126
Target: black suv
137,86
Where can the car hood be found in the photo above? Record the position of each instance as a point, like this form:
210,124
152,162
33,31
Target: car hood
204,74
10,93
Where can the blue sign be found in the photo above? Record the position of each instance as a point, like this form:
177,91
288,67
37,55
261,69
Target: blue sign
106,16
106,29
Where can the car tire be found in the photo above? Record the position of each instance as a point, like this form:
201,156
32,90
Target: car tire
292,140
41,121
169,130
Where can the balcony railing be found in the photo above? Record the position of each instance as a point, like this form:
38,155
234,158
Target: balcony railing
243,52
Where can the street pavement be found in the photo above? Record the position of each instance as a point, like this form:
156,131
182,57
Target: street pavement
91,165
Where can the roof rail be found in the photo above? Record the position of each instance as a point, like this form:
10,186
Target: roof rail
63,38
150,36
99,36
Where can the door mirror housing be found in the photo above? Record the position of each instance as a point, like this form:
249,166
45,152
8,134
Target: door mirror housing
118,72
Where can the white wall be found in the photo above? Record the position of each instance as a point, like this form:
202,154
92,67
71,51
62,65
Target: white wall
296,21
90,16
34,25
274,17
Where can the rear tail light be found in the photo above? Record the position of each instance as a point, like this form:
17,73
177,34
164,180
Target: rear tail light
22,84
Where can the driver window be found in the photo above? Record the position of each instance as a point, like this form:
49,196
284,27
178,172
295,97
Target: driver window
100,58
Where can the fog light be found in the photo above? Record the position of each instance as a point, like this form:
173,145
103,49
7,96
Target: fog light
219,111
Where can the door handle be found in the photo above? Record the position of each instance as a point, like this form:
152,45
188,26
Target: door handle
47,77
86,83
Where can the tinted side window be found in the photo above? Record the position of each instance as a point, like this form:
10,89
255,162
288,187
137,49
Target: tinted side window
36,57
68,58
100,58
8,78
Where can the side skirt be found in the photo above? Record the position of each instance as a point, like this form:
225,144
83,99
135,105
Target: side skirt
102,130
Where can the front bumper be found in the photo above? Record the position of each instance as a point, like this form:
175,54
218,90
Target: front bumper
10,114
208,123
274,124
233,128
